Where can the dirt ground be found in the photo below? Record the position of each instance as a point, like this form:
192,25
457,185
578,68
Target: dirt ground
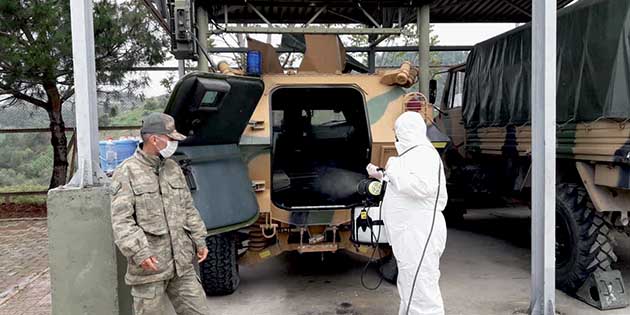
9,210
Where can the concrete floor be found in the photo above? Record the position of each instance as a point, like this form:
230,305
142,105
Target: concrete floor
485,270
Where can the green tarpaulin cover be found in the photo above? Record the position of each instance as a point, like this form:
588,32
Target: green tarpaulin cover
593,64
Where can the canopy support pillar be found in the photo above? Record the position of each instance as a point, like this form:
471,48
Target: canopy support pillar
543,286
424,45
89,172
181,68
202,38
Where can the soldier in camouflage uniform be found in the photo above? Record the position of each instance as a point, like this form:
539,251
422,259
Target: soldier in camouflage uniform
156,226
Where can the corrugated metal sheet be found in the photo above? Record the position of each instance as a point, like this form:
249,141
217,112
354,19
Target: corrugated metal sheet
384,11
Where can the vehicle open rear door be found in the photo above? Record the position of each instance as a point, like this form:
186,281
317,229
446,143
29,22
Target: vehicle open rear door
212,110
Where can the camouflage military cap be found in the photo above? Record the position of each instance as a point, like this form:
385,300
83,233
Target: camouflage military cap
161,124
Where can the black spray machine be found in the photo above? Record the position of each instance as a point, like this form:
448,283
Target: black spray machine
367,221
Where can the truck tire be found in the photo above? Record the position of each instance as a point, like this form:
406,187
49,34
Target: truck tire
388,269
219,272
584,242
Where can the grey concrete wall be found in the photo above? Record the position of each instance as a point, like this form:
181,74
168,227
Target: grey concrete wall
86,268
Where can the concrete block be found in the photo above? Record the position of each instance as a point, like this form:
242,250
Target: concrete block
86,268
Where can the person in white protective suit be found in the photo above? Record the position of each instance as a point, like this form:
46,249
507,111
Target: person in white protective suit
408,213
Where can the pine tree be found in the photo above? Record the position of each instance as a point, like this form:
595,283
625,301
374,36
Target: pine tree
36,56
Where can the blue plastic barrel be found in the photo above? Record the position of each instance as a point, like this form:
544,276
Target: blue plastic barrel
113,152
125,148
254,62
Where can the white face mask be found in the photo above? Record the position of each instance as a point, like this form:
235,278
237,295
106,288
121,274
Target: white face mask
171,147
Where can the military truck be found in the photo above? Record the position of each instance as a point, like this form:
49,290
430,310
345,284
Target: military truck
487,110
274,162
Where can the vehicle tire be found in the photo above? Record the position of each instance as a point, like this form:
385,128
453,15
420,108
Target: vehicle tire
388,269
219,272
584,242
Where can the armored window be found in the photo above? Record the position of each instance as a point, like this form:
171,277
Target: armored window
209,99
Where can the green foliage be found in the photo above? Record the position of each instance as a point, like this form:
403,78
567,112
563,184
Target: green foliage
168,83
36,44
134,116
26,159
152,104
34,199
9,177
113,111
36,57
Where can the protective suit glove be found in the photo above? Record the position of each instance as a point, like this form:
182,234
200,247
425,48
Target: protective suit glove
374,172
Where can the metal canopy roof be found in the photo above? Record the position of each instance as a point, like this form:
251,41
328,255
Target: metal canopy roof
385,12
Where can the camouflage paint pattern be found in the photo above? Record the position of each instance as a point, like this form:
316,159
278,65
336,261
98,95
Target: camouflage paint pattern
601,141
383,105
604,143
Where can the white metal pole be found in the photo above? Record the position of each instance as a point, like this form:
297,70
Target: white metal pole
424,45
542,300
88,172
181,68
202,37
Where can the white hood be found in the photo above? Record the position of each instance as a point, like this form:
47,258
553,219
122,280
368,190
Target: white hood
410,131
415,178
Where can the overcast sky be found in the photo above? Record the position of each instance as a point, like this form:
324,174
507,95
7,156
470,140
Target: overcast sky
470,33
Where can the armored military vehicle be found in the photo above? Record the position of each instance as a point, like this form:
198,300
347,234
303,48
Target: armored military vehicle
275,162
487,112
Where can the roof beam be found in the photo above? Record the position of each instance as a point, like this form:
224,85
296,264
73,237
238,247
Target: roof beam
320,11
309,30
258,13
400,25
218,50
517,7
344,16
308,3
157,15
368,15
454,5
443,11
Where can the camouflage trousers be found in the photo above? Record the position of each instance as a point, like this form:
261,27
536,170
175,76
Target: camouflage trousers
185,293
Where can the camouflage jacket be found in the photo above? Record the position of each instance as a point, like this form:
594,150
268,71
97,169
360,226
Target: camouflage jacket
153,215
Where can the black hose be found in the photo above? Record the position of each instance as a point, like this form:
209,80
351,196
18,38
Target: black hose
437,198
371,260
